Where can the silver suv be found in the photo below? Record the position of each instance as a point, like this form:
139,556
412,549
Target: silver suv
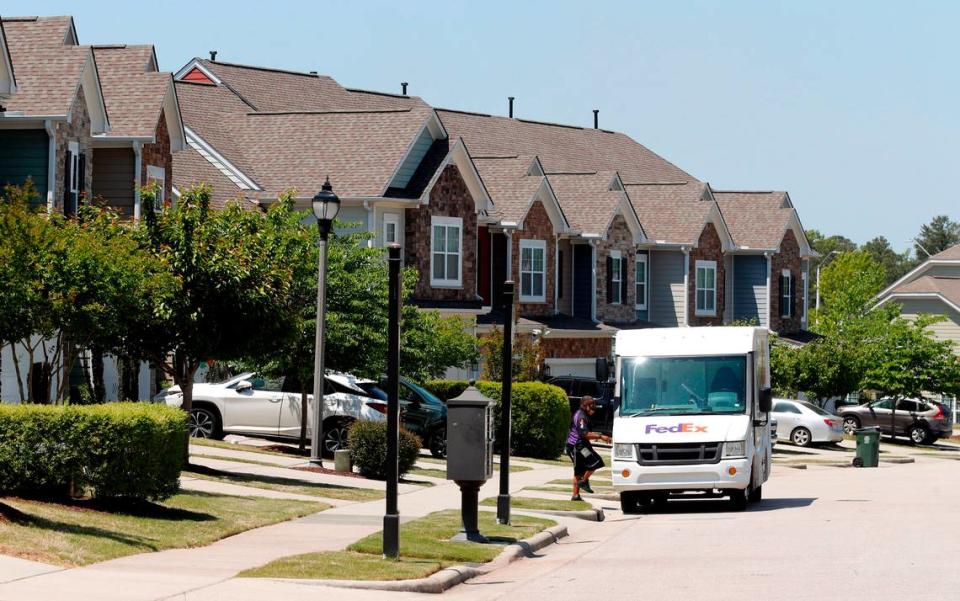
924,422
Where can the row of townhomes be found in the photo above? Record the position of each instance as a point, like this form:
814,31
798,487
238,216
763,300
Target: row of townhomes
598,232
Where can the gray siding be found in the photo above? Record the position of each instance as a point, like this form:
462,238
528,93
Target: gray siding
666,288
750,288
948,329
24,153
417,152
352,219
114,178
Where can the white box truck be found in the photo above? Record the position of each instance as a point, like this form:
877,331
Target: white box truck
693,415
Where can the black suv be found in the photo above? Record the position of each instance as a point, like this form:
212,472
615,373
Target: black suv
602,392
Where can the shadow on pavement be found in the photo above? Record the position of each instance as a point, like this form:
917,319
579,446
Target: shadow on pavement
679,506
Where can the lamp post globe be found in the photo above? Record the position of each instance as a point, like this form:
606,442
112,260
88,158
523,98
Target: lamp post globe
326,205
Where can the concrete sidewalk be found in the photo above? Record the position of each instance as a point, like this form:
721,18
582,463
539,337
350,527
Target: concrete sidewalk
174,573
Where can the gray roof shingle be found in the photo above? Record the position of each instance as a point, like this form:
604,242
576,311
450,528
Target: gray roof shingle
755,219
133,94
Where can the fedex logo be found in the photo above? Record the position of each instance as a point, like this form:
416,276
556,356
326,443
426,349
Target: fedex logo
675,429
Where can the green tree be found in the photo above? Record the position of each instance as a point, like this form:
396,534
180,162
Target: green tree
848,285
894,264
937,236
527,357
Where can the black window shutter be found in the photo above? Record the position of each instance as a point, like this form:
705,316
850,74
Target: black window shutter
66,181
609,280
623,280
560,273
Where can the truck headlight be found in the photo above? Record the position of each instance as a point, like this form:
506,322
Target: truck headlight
735,449
623,451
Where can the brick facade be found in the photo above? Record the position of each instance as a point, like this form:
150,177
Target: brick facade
449,198
75,129
619,237
536,226
576,348
788,258
158,154
709,248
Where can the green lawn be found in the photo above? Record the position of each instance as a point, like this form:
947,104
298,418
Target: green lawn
292,485
534,504
233,459
425,547
206,442
429,472
85,532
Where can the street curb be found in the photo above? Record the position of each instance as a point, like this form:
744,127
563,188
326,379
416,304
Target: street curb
592,515
447,577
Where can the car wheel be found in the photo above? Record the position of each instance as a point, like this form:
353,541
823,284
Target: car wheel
919,434
851,425
756,495
800,437
739,499
336,437
204,423
631,502
438,444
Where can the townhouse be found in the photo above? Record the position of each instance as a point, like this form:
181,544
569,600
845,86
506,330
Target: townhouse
84,124
598,232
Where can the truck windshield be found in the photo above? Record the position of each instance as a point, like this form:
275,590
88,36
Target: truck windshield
683,385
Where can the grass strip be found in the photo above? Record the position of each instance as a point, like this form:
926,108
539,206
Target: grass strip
76,533
290,485
345,565
534,504
234,459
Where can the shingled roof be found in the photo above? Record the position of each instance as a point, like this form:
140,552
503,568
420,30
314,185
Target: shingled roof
586,199
190,169
671,213
948,288
510,186
134,91
950,254
757,220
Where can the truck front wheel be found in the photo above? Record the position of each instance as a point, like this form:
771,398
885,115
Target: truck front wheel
632,502
739,499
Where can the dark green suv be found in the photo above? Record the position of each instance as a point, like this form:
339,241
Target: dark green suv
421,412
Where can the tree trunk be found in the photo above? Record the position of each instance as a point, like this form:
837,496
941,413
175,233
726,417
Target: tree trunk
184,370
99,388
304,408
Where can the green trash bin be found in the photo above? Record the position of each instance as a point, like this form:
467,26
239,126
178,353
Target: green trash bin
868,448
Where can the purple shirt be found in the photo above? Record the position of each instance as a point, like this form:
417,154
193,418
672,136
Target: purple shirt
579,428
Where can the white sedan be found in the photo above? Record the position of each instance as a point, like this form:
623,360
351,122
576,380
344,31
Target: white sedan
803,423
254,405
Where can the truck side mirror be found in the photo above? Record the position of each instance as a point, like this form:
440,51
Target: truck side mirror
602,369
766,400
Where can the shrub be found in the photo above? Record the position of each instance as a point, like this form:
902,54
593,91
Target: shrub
541,413
117,451
368,447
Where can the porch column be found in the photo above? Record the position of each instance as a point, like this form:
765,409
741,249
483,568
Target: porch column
137,167
686,287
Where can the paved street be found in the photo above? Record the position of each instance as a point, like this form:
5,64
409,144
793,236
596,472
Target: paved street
821,533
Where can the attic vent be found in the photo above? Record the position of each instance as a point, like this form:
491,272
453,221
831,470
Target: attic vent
195,75
213,55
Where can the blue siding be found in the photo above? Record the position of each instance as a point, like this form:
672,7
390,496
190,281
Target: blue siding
23,153
410,164
582,281
666,287
750,288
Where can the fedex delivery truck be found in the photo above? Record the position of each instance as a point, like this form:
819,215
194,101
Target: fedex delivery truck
693,415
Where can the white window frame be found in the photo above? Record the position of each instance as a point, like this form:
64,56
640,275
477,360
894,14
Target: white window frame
641,301
159,175
394,220
533,245
616,284
786,294
447,222
706,266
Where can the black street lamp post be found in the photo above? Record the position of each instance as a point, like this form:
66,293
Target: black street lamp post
326,205
503,499
391,520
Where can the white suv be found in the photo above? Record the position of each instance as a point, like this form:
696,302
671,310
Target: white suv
254,405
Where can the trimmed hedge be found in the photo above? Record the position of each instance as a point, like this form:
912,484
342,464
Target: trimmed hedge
368,448
115,451
541,414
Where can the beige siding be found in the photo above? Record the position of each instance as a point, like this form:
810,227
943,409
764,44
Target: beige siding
949,329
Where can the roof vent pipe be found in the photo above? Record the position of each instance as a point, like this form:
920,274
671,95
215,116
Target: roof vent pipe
403,85
596,119
313,73
510,98
213,55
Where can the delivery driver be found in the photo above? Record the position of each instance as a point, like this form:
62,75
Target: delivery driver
585,459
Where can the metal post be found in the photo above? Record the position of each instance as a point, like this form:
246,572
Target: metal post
316,434
503,499
391,520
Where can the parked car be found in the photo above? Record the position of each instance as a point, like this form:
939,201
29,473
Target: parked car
602,392
773,431
421,412
923,421
271,407
803,423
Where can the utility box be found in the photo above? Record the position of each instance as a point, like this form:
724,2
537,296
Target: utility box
470,436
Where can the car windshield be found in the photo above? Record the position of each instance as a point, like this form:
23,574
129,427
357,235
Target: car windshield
683,385
814,408
423,392
373,390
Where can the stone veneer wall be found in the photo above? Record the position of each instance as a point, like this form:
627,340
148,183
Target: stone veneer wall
75,129
787,258
619,238
576,348
709,248
536,226
158,154
449,198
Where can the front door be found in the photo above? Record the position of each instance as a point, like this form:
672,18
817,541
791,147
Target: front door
583,281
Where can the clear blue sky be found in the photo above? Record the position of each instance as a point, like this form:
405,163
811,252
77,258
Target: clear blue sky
850,106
